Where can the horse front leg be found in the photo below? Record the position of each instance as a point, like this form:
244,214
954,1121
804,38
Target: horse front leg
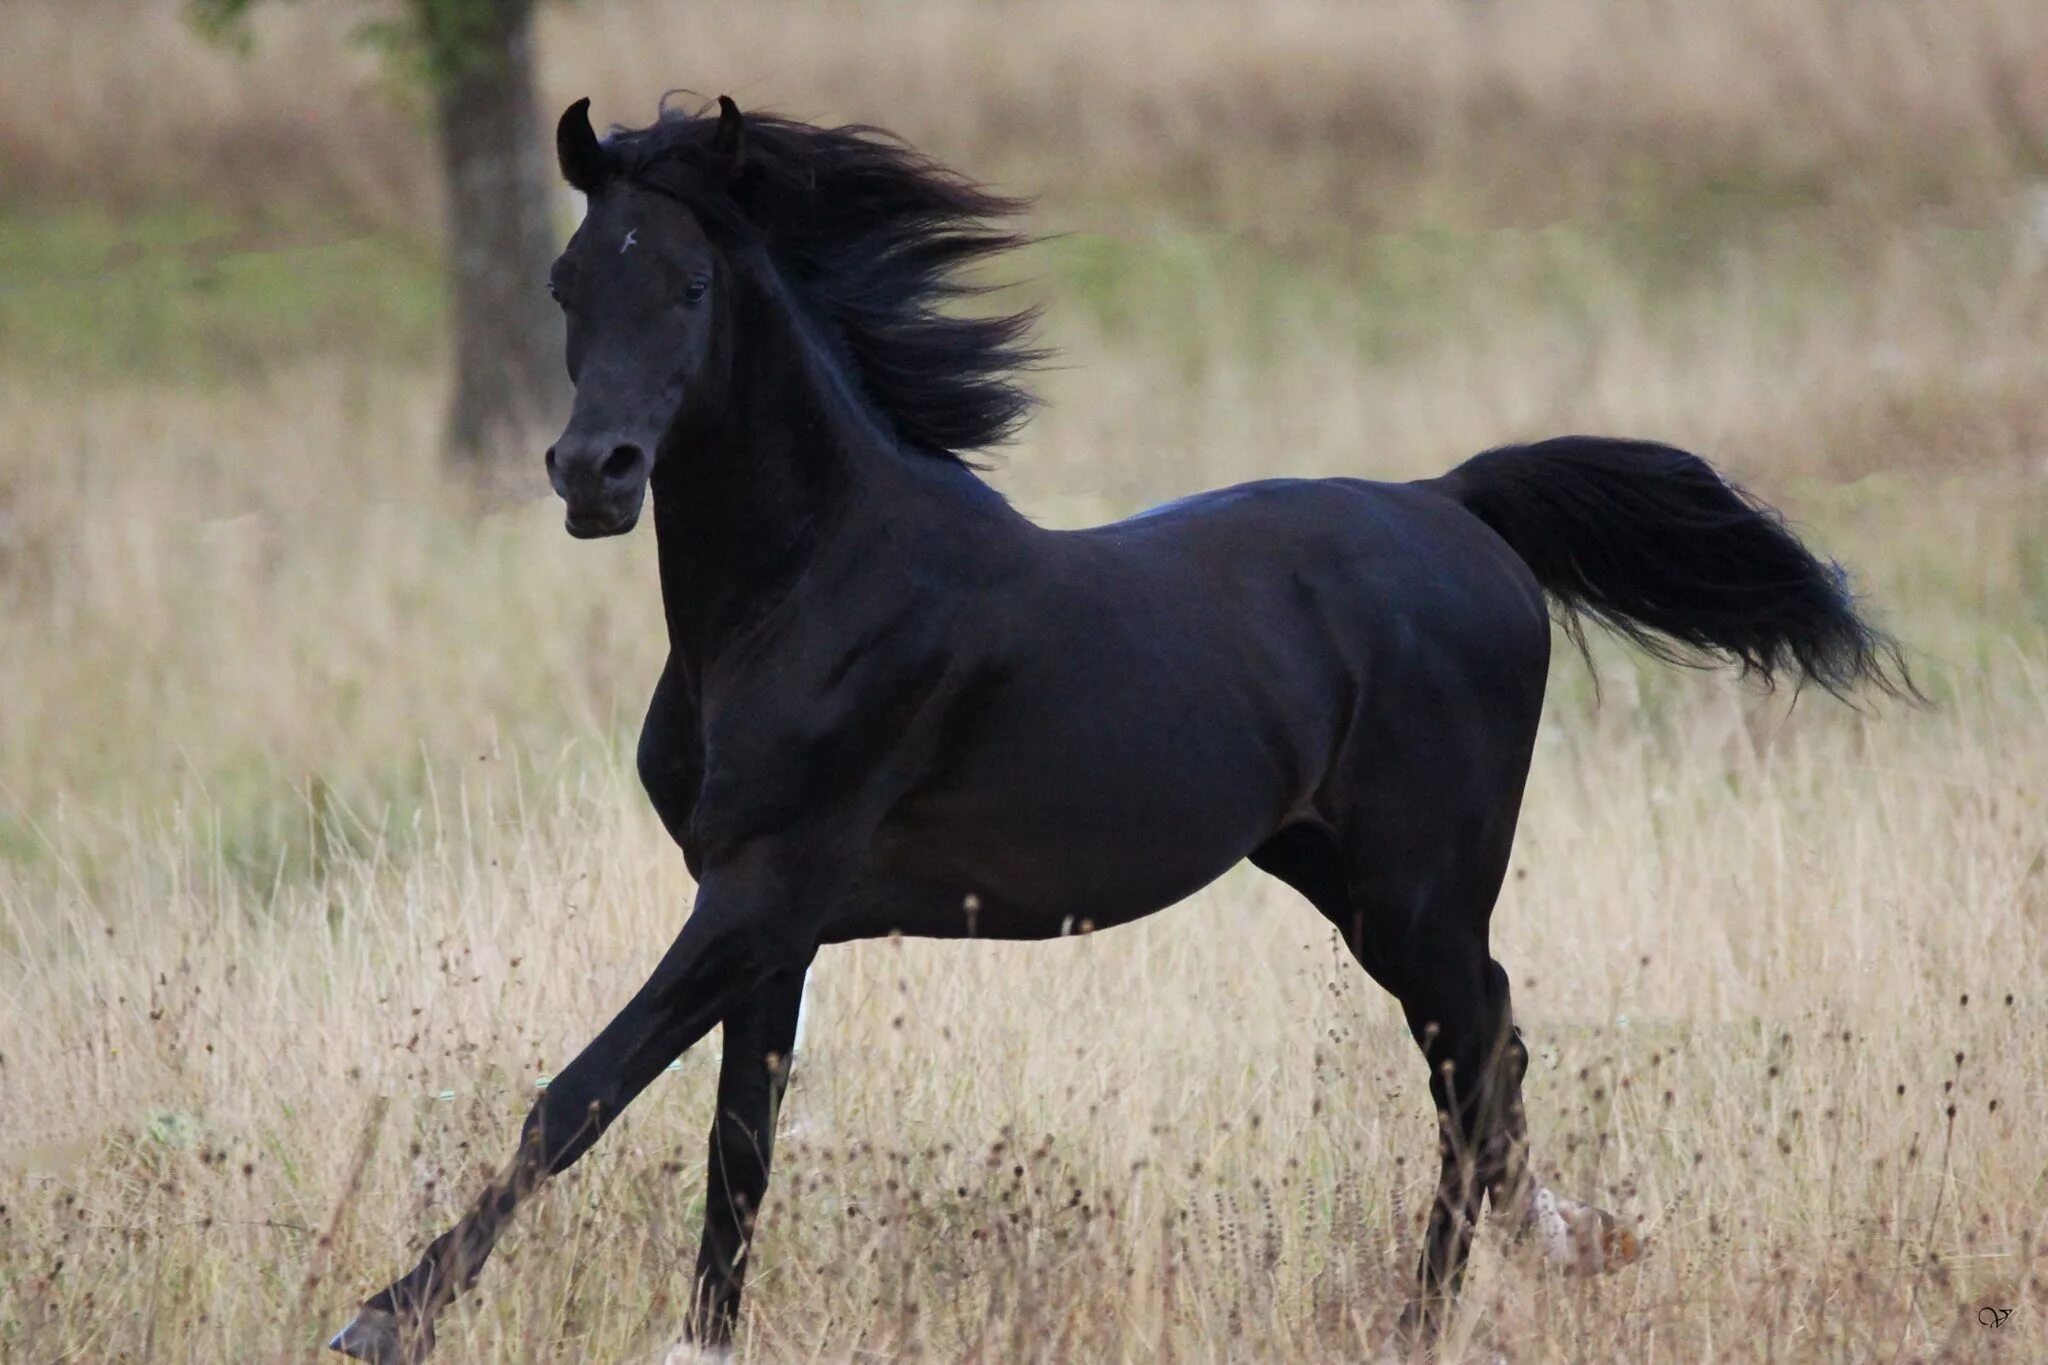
741,933
760,1039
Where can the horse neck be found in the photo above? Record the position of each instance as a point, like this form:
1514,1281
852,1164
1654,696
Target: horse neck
743,505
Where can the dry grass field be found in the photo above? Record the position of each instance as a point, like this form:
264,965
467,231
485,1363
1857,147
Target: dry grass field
319,839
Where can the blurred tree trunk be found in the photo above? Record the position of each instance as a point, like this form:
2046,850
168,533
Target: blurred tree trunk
509,383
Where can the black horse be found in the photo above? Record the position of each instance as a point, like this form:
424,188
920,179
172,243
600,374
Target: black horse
894,705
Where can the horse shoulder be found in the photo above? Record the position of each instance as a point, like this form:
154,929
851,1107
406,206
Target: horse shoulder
825,727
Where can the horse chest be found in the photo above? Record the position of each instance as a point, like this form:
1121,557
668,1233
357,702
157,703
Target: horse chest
671,764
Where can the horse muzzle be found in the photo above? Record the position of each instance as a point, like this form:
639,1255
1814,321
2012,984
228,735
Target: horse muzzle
602,485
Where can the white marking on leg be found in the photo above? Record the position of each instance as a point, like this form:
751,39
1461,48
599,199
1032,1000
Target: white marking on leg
803,1008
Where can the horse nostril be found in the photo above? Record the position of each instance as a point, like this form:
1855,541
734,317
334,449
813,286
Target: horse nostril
551,459
623,460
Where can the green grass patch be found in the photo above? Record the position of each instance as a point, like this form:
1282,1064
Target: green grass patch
1397,294
185,294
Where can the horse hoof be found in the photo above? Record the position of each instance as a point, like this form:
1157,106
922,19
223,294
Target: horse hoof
1578,1238
375,1335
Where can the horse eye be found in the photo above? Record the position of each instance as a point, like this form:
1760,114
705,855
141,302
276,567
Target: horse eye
696,290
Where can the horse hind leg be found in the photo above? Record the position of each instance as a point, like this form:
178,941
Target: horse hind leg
1417,922
1431,954
1455,998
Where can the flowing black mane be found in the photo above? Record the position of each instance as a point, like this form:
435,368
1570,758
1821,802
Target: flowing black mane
872,237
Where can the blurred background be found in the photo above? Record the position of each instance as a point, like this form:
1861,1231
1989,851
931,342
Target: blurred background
304,693
242,349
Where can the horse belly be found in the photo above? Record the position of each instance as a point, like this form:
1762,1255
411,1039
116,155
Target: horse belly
1087,822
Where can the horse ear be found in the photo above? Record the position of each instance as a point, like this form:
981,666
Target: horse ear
576,148
728,144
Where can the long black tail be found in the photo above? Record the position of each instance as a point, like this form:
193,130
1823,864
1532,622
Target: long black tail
1652,543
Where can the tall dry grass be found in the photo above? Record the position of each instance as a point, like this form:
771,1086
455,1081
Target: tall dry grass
318,836
1743,969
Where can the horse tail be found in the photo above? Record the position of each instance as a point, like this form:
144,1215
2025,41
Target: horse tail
1652,543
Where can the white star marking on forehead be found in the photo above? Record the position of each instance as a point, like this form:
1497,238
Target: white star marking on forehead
632,235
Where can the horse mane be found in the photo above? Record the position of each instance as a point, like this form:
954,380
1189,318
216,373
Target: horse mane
873,237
